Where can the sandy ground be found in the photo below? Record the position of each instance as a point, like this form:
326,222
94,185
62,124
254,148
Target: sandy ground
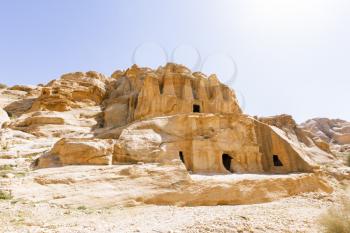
235,176
294,214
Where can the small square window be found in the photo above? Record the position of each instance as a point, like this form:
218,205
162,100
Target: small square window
196,108
276,161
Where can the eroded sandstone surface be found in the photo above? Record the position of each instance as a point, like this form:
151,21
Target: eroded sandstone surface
162,137
336,132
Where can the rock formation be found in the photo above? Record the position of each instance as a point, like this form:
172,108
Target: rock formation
79,151
158,116
300,139
145,115
76,153
140,93
18,99
336,132
74,90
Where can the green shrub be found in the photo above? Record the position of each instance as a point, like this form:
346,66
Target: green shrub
5,195
4,145
6,167
82,207
2,86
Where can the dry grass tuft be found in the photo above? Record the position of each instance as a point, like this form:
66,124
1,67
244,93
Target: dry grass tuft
337,220
82,207
5,195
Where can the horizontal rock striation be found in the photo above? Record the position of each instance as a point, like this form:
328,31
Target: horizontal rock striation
336,132
73,90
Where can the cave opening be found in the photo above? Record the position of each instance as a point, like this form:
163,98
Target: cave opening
226,161
196,108
181,155
276,161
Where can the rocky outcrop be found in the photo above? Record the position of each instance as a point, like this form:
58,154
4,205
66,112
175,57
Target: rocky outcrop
73,90
209,143
310,149
202,141
67,107
170,114
140,93
79,122
15,144
199,140
18,99
279,154
78,151
333,131
167,136
168,184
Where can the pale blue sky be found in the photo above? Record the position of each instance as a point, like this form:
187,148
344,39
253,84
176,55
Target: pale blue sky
292,55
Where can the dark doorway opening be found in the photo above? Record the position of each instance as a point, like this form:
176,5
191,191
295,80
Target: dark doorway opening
226,161
181,155
276,161
196,108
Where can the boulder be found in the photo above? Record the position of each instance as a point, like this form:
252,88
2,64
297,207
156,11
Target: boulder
78,151
18,99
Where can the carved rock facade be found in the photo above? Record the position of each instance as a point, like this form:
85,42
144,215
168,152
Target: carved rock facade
172,114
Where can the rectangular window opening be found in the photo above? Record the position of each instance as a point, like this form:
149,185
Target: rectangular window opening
276,161
196,108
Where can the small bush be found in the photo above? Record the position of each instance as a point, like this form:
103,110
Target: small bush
20,174
6,167
348,160
82,207
3,86
5,195
337,220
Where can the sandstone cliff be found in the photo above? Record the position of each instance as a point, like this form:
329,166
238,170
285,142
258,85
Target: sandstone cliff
175,136
140,93
145,115
78,152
